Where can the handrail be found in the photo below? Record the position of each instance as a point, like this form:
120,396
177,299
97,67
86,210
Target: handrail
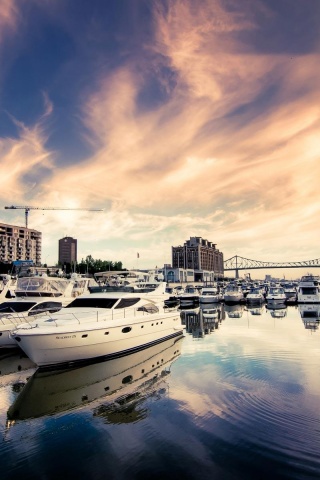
100,316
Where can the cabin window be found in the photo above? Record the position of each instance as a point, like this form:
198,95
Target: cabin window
10,307
127,379
308,290
127,302
149,308
92,302
46,307
126,329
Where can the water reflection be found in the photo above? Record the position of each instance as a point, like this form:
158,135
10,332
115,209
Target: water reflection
234,311
13,361
310,315
203,320
255,310
277,310
122,381
241,403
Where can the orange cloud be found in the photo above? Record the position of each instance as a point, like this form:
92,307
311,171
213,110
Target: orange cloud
9,15
216,157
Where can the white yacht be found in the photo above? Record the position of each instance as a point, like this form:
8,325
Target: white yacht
276,295
309,289
210,295
255,295
233,293
290,290
190,297
97,325
35,295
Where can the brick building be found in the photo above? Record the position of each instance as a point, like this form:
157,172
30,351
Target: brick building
198,254
19,243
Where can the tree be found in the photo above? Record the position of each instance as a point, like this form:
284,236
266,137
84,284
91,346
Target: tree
92,266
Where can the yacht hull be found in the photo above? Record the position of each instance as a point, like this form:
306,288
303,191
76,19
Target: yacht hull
52,345
233,298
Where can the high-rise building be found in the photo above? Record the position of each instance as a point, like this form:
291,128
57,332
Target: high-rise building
19,243
67,250
198,254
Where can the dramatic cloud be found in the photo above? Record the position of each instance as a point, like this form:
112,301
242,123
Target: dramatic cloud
205,129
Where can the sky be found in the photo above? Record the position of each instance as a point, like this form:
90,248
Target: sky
177,118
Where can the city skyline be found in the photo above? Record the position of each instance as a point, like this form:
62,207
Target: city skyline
176,119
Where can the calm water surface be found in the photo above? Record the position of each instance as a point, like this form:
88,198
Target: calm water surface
238,397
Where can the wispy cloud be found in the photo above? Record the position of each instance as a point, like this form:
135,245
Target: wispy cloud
22,157
225,147
9,15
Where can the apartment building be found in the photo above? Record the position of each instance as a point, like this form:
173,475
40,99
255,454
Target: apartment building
19,243
198,254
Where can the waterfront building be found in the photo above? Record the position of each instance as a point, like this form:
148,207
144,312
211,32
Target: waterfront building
199,256
19,243
67,251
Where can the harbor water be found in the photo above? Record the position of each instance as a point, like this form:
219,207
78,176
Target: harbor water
236,397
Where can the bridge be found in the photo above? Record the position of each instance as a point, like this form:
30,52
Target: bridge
239,263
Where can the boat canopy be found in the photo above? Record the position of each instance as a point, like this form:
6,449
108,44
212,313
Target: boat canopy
41,286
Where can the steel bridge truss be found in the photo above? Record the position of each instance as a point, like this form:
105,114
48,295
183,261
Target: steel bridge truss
239,263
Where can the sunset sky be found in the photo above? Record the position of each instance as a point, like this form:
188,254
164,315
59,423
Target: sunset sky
179,118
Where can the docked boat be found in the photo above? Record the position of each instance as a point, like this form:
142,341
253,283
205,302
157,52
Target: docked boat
209,295
190,297
98,325
309,289
291,291
276,295
255,295
35,295
233,293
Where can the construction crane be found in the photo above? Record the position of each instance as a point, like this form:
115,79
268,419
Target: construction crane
28,208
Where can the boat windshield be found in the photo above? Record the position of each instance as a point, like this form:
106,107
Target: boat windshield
10,307
41,286
92,302
276,290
